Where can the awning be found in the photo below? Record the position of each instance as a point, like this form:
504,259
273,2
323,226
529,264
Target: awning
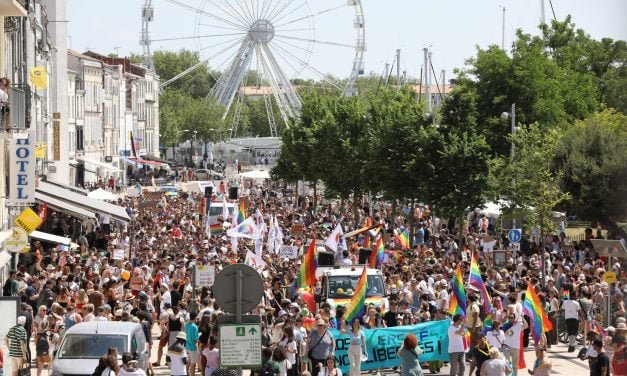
64,206
144,162
4,235
82,201
154,159
50,238
5,258
106,166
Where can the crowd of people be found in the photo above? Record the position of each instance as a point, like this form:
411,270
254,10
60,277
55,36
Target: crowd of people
152,285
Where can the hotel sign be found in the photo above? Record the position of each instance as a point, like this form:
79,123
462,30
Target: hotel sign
22,171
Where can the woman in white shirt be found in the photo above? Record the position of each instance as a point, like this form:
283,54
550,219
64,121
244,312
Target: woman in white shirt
496,336
288,344
330,369
279,357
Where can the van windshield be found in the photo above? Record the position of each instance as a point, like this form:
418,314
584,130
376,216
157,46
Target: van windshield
214,211
89,346
343,286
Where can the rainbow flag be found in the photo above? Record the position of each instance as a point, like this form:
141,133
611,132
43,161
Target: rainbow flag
475,280
355,308
307,273
376,257
466,340
458,297
403,239
533,308
193,250
565,294
241,210
488,321
216,228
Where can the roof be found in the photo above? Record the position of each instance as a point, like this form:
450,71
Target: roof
80,55
353,270
104,327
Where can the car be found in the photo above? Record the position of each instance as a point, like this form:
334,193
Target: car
83,344
205,174
170,190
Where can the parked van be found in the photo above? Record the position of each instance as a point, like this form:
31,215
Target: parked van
83,345
216,210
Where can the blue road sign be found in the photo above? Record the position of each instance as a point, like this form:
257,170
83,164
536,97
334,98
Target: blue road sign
514,235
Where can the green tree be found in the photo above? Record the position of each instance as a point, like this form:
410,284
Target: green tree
593,158
196,83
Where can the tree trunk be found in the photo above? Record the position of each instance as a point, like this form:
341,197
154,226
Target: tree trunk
394,207
315,198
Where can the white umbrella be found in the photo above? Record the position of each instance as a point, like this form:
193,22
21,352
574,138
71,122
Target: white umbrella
101,194
256,174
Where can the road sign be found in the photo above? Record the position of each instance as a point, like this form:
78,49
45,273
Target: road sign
17,242
228,279
514,235
240,346
28,220
610,277
205,275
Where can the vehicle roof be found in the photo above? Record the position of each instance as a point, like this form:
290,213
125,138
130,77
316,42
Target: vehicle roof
219,204
351,271
104,327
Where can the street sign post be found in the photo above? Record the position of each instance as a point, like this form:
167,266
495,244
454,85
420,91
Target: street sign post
514,235
240,346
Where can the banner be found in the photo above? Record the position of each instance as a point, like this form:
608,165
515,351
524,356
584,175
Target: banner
28,220
22,171
383,344
205,275
288,251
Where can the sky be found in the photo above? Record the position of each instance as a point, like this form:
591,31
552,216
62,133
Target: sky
452,29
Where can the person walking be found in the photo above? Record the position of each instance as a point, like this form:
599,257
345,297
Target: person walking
320,346
409,354
602,365
191,332
572,312
456,346
178,356
15,340
357,346
542,366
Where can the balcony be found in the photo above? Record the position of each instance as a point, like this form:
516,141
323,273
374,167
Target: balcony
13,8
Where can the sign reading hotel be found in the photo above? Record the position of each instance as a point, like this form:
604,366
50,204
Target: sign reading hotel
22,171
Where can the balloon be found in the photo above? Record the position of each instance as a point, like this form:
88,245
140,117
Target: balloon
309,299
126,275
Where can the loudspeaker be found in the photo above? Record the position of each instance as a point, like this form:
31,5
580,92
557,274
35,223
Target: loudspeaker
364,255
326,259
233,193
208,191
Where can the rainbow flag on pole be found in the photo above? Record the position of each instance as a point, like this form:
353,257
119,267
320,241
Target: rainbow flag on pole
241,210
355,308
376,257
533,308
307,273
458,297
475,280
403,239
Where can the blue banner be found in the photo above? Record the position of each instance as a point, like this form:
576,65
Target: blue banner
384,343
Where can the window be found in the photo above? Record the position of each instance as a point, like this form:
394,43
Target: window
89,346
79,139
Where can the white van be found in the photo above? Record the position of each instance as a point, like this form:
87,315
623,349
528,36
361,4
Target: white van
83,345
216,210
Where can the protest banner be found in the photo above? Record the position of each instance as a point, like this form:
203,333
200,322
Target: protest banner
205,275
289,251
384,343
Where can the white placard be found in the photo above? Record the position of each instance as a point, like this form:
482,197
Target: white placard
205,275
22,171
289,251
118,254
240,345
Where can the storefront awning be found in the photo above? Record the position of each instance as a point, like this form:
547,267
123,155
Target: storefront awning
82,201
64,206
94,162
4,235
144,162
50,238
5,258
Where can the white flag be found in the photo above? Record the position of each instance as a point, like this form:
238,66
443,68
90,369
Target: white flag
335,241
254,261
246,229
259,241
278,238
271,234
225,210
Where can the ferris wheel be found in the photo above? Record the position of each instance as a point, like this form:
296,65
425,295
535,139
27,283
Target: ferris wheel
267,44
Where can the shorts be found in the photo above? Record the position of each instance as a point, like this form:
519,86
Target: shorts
43,359
572,327
16,362
192,356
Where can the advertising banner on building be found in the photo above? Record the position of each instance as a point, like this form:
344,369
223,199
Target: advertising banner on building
383,344
22,171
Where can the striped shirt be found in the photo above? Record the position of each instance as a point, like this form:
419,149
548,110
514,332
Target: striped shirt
16,336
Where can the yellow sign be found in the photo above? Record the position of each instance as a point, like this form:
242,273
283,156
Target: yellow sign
610,277
17,242
28,220
39,77
40,150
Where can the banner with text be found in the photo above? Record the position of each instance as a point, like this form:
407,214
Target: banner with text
384,343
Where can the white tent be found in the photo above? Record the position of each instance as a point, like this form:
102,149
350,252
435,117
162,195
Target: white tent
101,194
256,174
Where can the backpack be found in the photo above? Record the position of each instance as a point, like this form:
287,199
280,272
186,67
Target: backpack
42,346
267,369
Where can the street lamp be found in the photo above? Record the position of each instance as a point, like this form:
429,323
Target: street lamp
512,115
191,145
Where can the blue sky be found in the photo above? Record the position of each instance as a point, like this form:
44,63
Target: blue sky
452,28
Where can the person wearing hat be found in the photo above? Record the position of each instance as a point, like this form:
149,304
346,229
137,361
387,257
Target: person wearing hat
178,355
129,366
320,345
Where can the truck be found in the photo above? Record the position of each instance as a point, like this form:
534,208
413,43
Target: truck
339,282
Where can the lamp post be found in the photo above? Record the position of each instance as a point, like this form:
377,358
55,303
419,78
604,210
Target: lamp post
191,145
512,116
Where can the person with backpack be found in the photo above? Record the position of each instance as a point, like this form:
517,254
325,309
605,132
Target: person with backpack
42,347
